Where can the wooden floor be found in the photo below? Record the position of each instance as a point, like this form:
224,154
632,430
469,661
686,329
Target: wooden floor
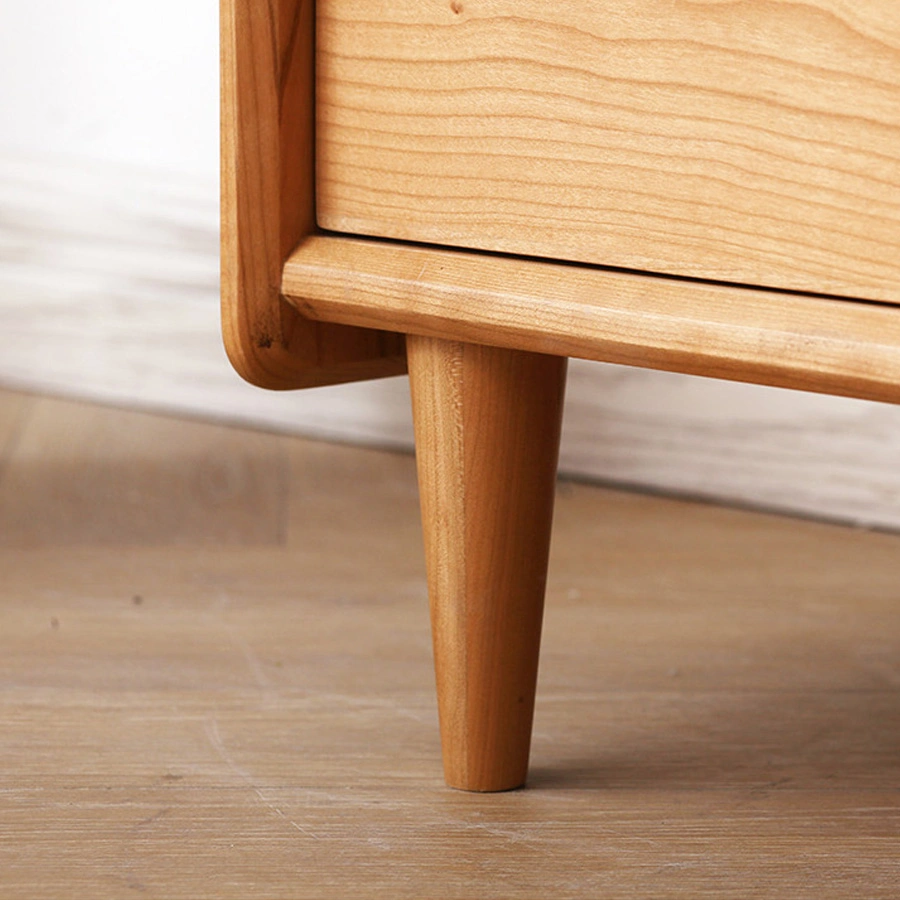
215,682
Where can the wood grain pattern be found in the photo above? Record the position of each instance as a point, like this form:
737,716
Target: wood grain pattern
756,142
487,426
717,712
786,340
267,204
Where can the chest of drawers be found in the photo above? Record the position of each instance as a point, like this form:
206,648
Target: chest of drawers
479,189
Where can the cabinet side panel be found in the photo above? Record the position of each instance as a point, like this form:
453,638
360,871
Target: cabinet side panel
268,205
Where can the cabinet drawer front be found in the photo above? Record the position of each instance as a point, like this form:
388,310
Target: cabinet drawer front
755,141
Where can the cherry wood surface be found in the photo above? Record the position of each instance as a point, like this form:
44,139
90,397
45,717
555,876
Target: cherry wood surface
346,303
487,440
788,340
754,142
268,204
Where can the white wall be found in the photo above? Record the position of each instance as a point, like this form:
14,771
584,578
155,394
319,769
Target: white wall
108,284
112,81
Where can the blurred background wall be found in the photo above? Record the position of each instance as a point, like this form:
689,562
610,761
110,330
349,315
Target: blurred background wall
108,286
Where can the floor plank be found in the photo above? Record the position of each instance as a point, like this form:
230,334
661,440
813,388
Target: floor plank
89,475
14,409
245,708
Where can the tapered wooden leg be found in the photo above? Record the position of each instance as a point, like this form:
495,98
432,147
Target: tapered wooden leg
487,425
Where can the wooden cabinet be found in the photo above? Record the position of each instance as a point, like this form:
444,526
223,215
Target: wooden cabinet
705,187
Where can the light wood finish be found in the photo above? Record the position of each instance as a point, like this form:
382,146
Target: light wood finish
14,412
748,142
267,204
780,339
96,458
717,712
487,440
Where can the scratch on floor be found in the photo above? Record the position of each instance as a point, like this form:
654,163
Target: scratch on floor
243,647
211,727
